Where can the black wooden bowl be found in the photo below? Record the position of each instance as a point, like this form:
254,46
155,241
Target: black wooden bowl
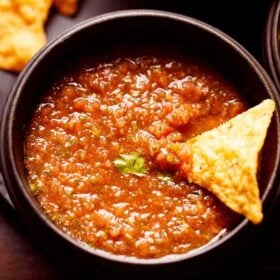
112,29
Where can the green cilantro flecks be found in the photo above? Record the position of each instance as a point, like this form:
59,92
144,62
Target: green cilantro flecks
165,177
132,163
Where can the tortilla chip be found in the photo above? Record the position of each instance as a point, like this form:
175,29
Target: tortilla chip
224,160
66,7
22,31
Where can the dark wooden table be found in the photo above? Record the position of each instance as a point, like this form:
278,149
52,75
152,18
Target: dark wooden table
21,257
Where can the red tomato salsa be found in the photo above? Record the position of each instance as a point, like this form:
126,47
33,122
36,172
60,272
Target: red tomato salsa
91,146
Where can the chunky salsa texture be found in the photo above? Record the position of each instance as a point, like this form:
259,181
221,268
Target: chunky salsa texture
92,147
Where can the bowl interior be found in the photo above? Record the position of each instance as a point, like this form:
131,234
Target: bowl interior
101,36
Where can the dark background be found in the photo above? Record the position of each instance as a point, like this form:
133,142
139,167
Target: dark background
23,258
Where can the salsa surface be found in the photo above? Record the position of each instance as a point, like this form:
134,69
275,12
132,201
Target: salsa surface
91,146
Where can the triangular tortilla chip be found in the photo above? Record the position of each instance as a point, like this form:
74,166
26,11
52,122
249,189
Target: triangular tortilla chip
224,160
22,31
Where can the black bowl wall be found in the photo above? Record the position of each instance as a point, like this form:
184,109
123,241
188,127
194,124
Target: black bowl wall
271,50
104,33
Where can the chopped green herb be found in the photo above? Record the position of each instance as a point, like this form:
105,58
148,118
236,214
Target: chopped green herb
165,177
133,163
56,218
89,244
35,188
47,172
72,142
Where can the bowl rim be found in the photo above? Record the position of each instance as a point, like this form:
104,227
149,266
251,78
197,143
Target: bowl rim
271,46
13,99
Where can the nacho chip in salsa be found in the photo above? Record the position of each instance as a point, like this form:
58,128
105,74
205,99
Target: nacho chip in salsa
225,159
